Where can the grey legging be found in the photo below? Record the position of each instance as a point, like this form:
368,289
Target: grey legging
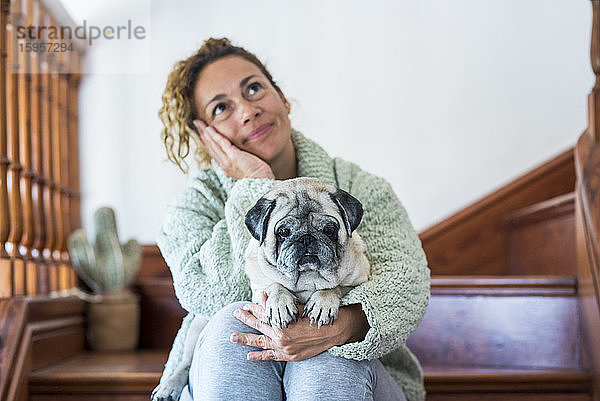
220,371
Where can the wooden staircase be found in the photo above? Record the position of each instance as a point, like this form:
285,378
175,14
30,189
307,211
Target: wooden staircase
491,337
514,312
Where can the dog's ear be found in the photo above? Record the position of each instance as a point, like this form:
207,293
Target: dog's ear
257,218
350,208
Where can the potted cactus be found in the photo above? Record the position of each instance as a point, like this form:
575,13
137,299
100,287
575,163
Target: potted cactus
108,267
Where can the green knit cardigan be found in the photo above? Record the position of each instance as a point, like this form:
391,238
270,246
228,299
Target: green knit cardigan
203,240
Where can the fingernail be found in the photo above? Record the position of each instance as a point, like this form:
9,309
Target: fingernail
234,338
246,307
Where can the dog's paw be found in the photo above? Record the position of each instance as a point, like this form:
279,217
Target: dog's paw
322,307
171,389
281,309
159,395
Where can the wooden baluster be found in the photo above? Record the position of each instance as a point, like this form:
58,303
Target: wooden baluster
24,98
50,185
67,166
14,168
73,117
63,177
5,265
36,146
55,129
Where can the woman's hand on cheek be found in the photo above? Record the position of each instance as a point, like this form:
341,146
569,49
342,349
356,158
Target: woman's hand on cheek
297,342
235,162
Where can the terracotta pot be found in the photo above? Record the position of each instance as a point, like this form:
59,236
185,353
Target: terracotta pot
114,322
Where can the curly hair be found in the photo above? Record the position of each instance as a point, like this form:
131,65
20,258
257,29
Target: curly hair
178,110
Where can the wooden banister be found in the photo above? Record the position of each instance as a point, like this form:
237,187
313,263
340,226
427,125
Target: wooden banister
587,167
39,193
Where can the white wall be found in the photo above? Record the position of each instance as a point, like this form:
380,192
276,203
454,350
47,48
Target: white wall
446,100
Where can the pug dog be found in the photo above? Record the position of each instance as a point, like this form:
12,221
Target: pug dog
305,250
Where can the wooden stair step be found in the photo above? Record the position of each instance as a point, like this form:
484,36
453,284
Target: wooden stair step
504,322
102,376
453,383
542,285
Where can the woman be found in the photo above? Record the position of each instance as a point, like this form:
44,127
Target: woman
223,100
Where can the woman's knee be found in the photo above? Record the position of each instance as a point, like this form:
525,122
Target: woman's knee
324,372
226,312
214,341
224,323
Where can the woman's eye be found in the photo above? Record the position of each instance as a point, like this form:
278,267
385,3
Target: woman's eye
254,88
220,108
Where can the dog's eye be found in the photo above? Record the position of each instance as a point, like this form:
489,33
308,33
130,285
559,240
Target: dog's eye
329,230
283,232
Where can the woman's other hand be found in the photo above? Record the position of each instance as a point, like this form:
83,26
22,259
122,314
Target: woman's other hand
235,162
299,340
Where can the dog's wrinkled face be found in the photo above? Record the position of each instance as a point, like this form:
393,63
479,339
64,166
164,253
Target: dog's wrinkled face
303,225
307,240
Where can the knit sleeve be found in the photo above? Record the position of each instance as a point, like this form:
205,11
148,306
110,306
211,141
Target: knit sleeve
203,240
396,296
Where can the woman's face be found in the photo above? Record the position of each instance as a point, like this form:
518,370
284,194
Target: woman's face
234,96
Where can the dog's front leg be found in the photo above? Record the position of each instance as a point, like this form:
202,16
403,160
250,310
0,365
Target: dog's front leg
323,306
281,306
